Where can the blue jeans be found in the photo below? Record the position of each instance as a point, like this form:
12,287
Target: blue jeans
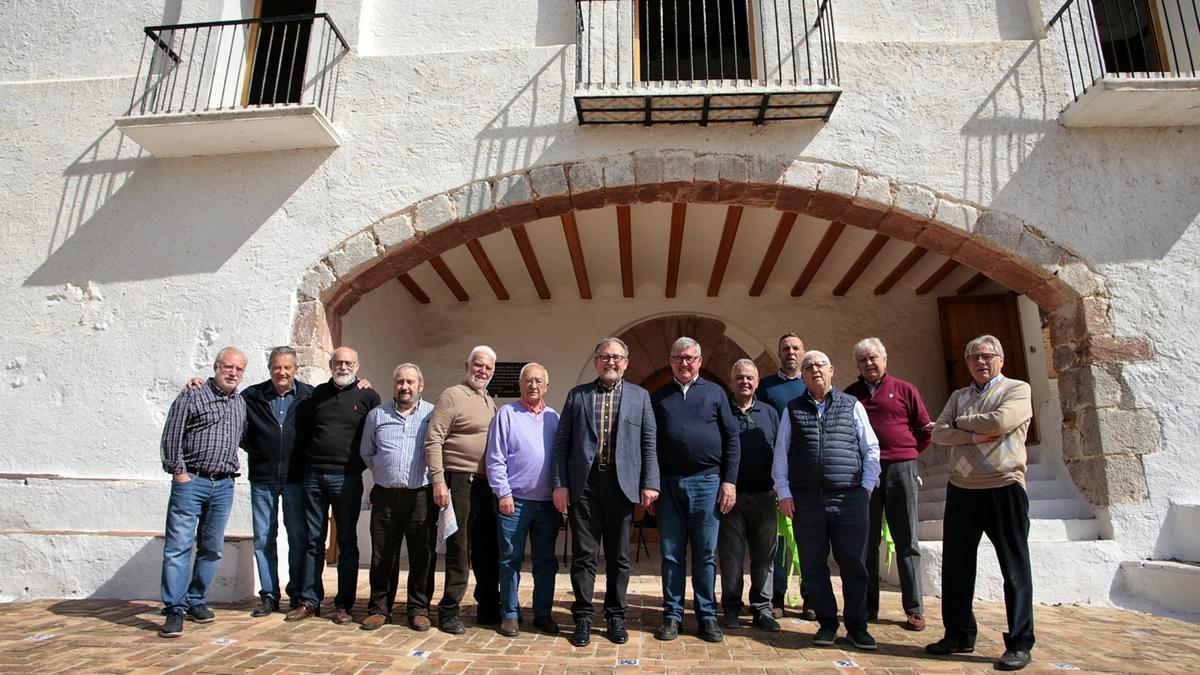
196,515
342,492
539,521
687,511
264,511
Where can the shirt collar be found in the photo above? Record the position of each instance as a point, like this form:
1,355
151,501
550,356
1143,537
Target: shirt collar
987,385
217,390
601,387
536,411
274,393
737,409
784,376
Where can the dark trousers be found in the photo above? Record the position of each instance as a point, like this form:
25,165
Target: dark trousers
1003,514
837,521
475,544
749,526
398,514
342,492
896,498
601,516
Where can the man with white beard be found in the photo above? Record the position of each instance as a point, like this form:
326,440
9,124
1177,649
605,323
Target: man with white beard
329,429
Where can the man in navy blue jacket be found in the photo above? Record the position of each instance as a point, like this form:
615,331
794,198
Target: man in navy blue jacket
698,455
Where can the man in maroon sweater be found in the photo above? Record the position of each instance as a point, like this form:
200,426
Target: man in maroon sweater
902,424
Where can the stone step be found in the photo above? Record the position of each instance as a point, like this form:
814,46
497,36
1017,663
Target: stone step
1040,529
1063,572
1036,489
1180,538
936,476
1155,585
1039,509
117,565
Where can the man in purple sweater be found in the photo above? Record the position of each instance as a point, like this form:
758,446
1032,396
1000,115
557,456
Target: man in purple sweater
902,424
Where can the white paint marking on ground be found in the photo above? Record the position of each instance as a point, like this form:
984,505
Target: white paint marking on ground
632,663
224,642
1064,666
40,636
420,653
845,664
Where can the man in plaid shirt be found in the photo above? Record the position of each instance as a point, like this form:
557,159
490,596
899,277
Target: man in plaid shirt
199,449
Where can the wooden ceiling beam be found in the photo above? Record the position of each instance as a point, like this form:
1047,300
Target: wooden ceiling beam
625,243
913,257
675,248
486,268
414,289
771,256
531,262
733,217
971,284
860,265
575,248
448,278
937,277
818,258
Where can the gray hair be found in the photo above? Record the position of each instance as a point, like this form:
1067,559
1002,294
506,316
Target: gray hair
409,366
869,343
814,353
481,349
281,351
738,364
982,340
685,343
223,352
610,341
533,364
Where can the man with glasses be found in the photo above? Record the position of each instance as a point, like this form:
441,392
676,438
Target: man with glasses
750,525
899,419
605,464
826,465
984,425
698,455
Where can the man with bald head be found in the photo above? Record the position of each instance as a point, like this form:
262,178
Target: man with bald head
199,450
826,465
330,428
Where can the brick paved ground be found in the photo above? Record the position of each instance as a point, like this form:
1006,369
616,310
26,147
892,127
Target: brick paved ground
92,636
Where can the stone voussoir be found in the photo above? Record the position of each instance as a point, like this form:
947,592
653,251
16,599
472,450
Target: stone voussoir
473,199
432,213
355,253
316,281
1000,230
394,230
839,180
515,188
548,181
678,166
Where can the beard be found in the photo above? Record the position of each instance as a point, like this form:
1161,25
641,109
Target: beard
343,380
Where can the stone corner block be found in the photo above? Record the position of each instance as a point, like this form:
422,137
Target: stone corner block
914,200
512,189
310,327
839,180
473,199
354,253
1105,481
432,213
549,181
1095,386
394,230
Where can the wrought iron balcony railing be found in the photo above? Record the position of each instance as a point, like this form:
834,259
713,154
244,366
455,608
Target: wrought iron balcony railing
701,61
239,64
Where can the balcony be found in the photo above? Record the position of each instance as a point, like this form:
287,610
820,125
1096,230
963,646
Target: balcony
704,61
247,85
1132,63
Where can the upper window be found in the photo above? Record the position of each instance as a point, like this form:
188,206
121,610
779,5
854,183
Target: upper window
280,52
694,40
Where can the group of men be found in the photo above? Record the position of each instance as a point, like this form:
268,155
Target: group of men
713,468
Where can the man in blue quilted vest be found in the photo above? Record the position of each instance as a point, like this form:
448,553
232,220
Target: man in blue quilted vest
826,465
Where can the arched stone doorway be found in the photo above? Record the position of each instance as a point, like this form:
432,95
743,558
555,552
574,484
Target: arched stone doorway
1088,356
650,342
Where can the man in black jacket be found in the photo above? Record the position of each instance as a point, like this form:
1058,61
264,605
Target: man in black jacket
276,471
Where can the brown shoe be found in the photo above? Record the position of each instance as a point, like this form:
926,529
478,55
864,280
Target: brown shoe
509,628
341,617
374,621
419,622
914,622
302,612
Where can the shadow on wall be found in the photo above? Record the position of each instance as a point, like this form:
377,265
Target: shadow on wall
1133,191
125,216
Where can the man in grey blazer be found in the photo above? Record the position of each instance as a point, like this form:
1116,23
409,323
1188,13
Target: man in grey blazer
605,464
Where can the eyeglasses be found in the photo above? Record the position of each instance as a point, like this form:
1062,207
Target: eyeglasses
348,364
535,381
983,358
610,358
677,358
814,366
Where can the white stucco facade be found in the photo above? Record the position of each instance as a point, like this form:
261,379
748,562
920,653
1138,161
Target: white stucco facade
124,273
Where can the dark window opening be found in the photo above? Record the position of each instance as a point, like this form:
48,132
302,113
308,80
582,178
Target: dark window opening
280,53
694,40
1126,31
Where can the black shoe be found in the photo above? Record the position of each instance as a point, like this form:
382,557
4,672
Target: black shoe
265,608
173,626
451,624
777,605
201,614
546,624
669,630
859,637
825,637
486,619
582,635
730,619
947,646
1013,659
616,630
709,631
808,614
767,622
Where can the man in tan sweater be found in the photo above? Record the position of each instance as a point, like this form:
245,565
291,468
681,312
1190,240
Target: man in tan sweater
985,425
454,447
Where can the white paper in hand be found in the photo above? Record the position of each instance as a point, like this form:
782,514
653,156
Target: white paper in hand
447,525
